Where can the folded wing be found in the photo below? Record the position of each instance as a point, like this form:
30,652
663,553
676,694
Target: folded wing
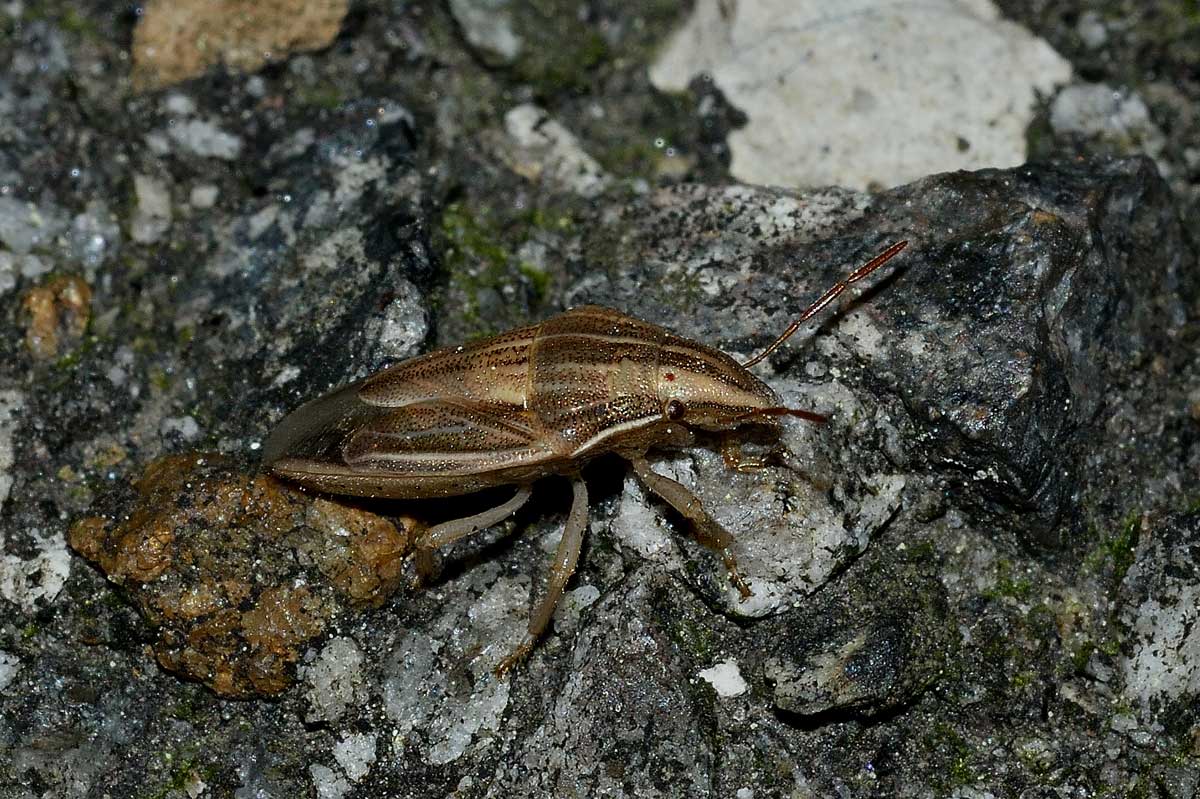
446,437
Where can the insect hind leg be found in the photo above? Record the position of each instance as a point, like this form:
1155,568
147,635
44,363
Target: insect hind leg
448,532
565,559
705,528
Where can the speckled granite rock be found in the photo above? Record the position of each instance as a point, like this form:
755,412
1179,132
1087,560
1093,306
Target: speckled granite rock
870,543
973,580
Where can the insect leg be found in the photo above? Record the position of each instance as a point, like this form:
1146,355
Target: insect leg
705,528
560,571
448,532
738,461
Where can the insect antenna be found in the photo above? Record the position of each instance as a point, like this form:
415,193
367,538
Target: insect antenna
781,411
829,296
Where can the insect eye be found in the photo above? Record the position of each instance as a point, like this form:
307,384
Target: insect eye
674,409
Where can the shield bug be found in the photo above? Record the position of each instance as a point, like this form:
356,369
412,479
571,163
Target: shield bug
538,400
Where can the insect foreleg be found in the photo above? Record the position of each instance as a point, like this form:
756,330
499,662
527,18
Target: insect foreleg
705,528
560,571
737,460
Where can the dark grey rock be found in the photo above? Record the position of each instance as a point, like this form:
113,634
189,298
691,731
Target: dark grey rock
628,710
853,653
998,340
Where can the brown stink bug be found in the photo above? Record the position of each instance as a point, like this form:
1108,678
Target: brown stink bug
538,400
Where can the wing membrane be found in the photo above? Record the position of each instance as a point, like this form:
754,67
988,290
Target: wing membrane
444,437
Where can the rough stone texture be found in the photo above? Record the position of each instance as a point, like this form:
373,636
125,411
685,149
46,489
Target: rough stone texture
545,149
58,312
1160,606
1150,60
238,573
818,116
849,652
1021,301
487,26
974,580
175,40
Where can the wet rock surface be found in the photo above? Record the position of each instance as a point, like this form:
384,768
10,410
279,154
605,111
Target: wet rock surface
976,578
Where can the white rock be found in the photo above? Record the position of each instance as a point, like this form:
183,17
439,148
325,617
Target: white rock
41,577
865,92
726,679
413,680
25,226
33,267
788,537
547,148
498,619
94,236
157,142
640,526
1166,659
116,375
335,680
203,196
328,783
185,426
152,218
261,221
178,103
355,753
487,24
1118,116
205,139
9,666
1092,30
483,711
286,375
405,322
11,402
8,272
566,615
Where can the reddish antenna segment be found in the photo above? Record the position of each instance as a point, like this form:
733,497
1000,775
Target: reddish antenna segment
829,296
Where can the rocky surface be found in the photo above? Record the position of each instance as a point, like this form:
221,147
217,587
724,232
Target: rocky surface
174,41
237,573
814,119
976,579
